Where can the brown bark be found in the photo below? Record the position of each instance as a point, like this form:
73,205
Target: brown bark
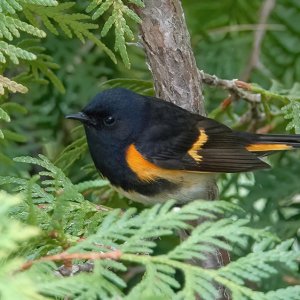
167,45
166,41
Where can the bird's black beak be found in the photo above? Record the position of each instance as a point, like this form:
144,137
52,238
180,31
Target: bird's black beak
80,116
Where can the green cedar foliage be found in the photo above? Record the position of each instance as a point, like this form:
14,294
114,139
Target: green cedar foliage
12,235
47,205
119,12
23,18
55,16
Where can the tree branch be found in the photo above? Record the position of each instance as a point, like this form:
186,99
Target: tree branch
71,256
236,87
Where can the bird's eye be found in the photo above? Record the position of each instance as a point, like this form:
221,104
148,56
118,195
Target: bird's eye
109,121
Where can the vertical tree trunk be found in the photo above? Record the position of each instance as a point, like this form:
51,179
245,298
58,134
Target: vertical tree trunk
167,44
166,41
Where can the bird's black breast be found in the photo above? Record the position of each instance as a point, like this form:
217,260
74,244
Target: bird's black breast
110,161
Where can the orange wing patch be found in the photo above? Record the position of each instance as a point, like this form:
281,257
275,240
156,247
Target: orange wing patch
146,170
202,139
268,147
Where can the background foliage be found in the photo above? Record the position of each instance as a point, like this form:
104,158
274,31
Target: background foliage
53,58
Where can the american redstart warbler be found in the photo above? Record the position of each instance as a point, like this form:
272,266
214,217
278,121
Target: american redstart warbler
152,150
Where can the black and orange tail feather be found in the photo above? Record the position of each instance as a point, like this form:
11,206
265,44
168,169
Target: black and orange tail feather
273,142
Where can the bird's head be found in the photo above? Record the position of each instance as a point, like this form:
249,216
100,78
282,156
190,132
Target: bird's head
113,116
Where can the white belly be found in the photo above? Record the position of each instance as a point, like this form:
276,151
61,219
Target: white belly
192,186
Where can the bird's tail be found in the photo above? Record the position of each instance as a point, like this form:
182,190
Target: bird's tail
272,142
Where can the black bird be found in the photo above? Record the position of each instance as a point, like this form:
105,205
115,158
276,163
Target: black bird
152,150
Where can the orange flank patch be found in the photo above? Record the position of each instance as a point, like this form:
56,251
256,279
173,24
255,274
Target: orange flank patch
146,170
268,147
202,139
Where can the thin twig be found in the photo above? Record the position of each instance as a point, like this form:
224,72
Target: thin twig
236,87
115,255
253,62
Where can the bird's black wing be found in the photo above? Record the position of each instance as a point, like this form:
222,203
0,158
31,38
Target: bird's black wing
178,140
